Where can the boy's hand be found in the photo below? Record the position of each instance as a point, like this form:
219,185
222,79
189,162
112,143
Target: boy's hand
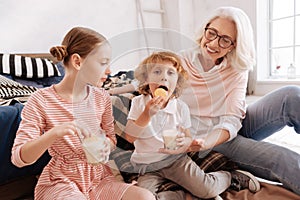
183,144
154,105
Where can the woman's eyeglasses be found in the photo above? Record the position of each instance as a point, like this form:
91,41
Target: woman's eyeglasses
224,40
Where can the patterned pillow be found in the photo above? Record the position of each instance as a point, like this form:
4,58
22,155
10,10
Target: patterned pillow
121,105
27,67
118,80
10,89
122,161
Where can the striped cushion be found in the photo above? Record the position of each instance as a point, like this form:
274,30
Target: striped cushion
27,67
10,89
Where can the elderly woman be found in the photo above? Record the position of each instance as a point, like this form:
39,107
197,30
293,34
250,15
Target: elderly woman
218,75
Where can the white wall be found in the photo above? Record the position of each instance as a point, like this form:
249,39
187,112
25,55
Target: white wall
34,26
202,8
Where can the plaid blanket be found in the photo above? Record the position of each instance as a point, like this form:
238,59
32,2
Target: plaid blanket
211,161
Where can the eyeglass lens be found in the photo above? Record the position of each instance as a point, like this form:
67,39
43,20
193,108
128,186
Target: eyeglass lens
224,41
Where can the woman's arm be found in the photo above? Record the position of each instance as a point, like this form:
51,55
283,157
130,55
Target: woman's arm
216,137
130,87
121,90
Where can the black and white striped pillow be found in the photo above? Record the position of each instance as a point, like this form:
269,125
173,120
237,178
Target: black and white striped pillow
10,89
27,67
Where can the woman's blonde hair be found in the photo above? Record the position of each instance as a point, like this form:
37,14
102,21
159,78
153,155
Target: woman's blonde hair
78,40
142,71
242,57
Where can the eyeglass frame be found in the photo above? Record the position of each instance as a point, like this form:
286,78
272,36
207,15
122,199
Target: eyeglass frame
218,36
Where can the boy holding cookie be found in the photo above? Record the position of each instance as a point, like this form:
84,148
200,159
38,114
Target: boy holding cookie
161,79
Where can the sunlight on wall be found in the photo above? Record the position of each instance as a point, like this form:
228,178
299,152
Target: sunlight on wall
35,26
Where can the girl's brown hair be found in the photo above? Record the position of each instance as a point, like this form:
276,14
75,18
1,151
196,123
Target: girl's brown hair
141,73
78,40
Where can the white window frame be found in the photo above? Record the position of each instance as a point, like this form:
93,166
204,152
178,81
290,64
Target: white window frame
265,83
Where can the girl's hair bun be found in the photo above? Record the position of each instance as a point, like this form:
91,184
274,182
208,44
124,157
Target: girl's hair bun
59,52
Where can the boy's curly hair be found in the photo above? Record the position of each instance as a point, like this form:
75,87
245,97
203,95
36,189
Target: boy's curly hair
142,71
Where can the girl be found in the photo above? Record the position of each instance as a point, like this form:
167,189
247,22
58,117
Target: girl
48,123
150,115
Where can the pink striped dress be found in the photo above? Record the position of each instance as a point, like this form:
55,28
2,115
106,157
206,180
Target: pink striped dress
68,175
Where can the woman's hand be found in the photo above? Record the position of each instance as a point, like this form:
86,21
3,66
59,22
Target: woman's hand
213,139
197,145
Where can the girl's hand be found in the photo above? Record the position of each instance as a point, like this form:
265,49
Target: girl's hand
67,128
154,105
105,151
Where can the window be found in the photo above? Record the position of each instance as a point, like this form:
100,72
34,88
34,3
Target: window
277,44
284,39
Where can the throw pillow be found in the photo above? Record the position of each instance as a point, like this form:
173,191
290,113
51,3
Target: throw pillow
10,89
27,67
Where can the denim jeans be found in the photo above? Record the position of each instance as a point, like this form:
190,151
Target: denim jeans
265,117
